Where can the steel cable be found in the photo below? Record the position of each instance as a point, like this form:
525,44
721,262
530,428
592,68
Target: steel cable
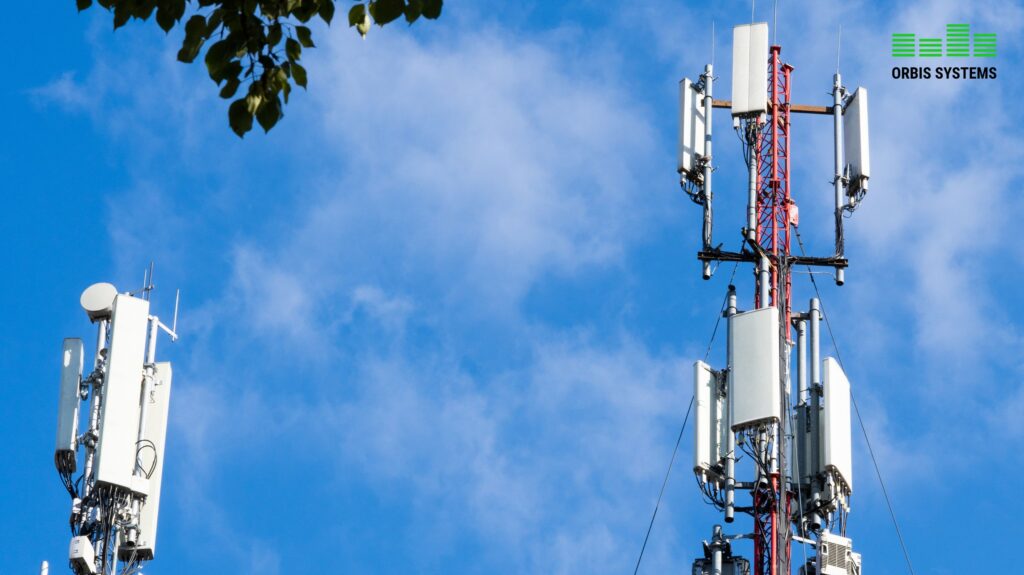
860,420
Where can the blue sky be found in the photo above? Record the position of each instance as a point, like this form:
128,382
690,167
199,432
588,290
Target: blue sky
442,318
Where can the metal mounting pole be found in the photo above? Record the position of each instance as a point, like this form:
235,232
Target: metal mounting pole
837,123
752,160
708,102
801,361
716,550
813,519
763,283
94,406
730,440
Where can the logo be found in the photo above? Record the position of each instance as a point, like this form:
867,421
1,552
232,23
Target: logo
958,43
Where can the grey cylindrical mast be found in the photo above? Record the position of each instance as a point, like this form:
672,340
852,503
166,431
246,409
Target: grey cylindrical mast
730,436
814,519
752,188
763,282
94,405
708,101
837,123
716,550
801,361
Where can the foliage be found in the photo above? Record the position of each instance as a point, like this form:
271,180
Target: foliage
258,42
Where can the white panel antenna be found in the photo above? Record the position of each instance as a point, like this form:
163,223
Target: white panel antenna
836,441
151,457
703,387
115,454
691,130
70,398
754,367
749,69
710,425
855,140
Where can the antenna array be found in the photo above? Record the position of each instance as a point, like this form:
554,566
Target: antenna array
799,448
113,420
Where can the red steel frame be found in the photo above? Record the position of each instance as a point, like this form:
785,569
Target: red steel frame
773,236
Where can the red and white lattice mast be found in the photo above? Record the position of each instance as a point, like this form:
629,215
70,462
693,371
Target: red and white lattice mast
748,407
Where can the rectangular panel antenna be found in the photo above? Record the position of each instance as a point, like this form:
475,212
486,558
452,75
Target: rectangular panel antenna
750,69
122,388
837,455
691,130
754,367
703,389
855,140
153,460
70,401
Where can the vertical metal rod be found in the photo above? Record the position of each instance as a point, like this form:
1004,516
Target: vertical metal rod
716,550
708,101
763,282
44,569
132,533
149,372
730,436
801,361
813,519
752,185
837,129
815,314
94,406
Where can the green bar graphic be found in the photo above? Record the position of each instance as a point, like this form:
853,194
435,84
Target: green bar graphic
959,43
930,47
985,45
958,40
903,45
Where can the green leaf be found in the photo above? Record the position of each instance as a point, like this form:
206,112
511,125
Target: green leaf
327,11
305,11
165,19
292,49
195,32
305,36
356,15
299,75
385,11
218,57
239,117
280,79
269,113
274,36
214,21
413,10
230,88
432,9
176,8
121,15
83,4
143,9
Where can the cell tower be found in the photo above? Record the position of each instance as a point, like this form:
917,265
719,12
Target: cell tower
795,451
115,500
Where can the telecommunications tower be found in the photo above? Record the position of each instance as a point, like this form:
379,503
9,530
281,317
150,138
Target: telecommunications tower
113,420
791,453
